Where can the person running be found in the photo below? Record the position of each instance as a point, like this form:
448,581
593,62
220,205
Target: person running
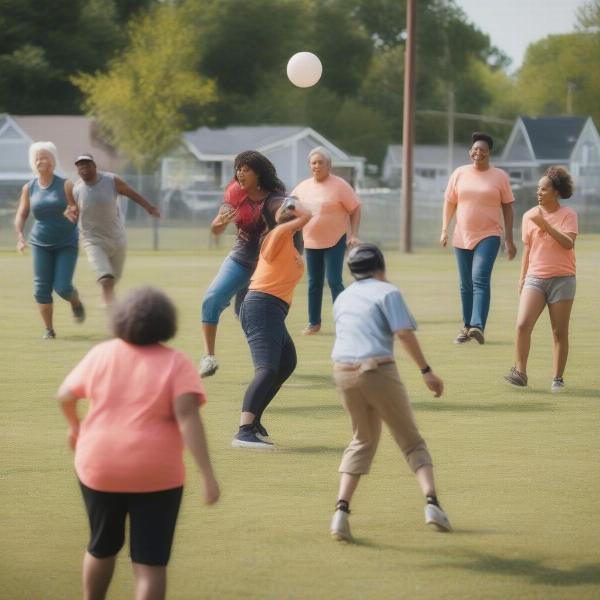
280,268
251,201
547,274
144,399
53,237
368,315
100,221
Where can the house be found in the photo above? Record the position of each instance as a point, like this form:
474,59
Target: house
537,143
204,161
431,165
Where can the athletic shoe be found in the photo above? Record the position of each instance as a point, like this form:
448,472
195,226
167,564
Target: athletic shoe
208,365
558,385
247,438
437,518
516,377
476,334
463,336
340,526
311,329
261,433
78,313
49,335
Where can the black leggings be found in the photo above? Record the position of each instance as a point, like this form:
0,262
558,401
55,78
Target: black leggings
272,349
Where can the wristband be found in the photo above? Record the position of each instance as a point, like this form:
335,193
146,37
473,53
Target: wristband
426,370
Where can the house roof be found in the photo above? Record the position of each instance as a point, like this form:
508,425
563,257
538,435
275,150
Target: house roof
553,138
429,154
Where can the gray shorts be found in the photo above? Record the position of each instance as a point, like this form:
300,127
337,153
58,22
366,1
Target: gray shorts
107,263
554,289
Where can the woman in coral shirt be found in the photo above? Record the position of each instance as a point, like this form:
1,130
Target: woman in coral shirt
476,193
547,273
336,210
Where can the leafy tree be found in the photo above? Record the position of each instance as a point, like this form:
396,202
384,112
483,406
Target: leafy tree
143,100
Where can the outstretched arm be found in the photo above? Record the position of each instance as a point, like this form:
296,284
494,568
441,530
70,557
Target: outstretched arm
126,190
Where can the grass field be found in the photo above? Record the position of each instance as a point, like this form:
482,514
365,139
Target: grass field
517,470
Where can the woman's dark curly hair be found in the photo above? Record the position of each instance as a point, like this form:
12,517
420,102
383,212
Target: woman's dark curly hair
478,136
263,167
561,181
145,316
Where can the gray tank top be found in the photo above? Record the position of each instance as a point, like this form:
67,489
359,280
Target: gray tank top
100,219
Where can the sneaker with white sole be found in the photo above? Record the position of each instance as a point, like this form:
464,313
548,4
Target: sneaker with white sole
261,432
437,518
340,526
208,365
558,385
476,334
463,336
516,377
49,335
246,438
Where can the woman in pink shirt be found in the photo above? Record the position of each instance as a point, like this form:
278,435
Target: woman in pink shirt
547,273
477,193
336,210
144,400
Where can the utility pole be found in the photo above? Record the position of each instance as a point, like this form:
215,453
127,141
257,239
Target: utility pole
408,127
570,89
450,128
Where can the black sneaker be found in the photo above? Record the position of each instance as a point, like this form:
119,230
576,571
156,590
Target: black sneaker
247,438
261,432
79,313
49,335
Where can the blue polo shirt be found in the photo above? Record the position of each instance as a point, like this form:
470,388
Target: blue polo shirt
367,313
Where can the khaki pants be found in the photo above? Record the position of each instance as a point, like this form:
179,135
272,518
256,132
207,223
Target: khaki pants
372,393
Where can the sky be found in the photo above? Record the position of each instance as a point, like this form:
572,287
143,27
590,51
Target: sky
514,24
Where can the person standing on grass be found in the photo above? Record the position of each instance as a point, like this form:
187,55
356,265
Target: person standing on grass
368,315
547,274
53,238
280,268
477,193
144,400
101,223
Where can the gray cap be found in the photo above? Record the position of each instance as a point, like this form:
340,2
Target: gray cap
85,157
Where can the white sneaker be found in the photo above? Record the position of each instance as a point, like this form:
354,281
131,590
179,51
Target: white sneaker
208,365
437,518
340,527
558,385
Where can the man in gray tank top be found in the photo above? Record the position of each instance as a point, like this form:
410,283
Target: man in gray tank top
101,225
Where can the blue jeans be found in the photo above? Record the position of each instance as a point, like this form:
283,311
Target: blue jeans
53,269
475,270
231,278
318,263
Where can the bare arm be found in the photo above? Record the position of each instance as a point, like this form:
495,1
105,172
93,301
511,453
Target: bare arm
21,217
192,431
412,347
508,214
524,266
448,214
354,225
126,190
68,406
72,210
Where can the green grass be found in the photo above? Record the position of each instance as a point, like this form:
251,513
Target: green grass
517,470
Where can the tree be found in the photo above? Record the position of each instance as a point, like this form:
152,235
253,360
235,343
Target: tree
142,102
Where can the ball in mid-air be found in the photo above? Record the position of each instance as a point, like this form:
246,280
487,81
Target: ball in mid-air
304,69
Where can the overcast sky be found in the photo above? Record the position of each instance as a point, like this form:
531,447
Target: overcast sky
514,24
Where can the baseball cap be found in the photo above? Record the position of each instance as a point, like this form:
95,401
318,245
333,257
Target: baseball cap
85,157
364,260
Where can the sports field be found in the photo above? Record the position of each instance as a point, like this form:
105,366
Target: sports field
518,470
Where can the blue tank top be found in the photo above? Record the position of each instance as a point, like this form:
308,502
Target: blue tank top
51,228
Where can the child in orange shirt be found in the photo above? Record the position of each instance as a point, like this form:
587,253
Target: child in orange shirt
144,400
547,273
280,268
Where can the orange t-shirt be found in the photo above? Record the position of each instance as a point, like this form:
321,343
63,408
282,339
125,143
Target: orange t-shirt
547,258
280,266
331,202
478,196
129,440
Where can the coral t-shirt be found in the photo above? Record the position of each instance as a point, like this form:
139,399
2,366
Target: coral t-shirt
280,266
478,196
129,441
331,201
547,258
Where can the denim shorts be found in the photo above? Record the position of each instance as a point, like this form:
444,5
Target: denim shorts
554,289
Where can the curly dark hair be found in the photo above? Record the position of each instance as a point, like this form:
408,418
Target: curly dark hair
144,316
263,167
478,136
561,181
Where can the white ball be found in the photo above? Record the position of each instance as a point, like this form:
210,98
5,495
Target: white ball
304,69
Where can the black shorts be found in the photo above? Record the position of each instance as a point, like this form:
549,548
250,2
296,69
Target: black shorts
152,518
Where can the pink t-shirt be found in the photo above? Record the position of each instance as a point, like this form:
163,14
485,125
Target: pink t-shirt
478,196
331,202
129,440
547,258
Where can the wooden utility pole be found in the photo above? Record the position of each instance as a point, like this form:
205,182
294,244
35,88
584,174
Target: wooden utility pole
408,132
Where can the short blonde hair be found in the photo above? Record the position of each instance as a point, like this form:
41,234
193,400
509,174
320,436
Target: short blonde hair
48,147
323,152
